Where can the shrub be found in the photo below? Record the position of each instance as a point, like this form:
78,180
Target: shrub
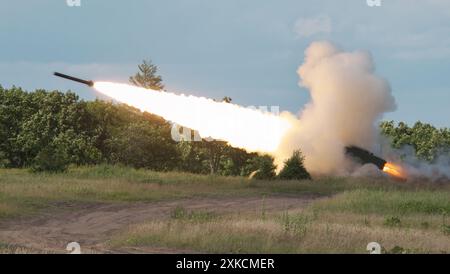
265,169
294,168
51,159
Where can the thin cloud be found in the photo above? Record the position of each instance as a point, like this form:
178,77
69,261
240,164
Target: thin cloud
306,27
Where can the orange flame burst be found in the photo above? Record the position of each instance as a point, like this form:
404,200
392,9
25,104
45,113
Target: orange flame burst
395,171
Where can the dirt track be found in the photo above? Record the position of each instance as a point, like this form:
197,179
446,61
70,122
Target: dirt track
92,225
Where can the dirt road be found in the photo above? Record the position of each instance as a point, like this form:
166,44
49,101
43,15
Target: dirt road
92,225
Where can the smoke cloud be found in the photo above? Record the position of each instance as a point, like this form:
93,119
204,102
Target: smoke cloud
417,169
347,101
438,171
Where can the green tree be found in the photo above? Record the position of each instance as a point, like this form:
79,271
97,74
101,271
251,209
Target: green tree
15,106
51,158
236,161
59,123
294,168
147,76
428,141
32,124
142,145
261,167
214,151
192,158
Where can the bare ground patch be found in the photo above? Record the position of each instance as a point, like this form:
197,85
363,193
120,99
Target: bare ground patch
92,225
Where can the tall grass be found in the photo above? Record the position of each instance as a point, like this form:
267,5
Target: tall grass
25,192
280,232
355,212
393,202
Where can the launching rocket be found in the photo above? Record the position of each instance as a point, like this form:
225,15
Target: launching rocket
90,83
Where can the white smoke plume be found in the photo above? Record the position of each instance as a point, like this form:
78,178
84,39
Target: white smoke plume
347,101
241,127
438,171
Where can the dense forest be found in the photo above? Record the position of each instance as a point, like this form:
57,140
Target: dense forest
50,130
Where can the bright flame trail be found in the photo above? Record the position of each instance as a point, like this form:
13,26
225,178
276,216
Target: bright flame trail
394,170
241,127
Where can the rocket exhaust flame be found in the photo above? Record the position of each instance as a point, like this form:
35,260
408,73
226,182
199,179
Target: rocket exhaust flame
241,127
395,171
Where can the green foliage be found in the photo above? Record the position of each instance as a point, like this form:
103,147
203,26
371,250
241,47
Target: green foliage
428,141
191,157
294,169
51,159
146,77
214,152
4,162
33,125
142,145
262,166
47,131
216,157
15,106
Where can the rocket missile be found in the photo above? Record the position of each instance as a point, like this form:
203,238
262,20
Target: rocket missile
86,82
364,157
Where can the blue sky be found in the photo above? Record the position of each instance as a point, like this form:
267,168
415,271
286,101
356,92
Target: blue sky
248,50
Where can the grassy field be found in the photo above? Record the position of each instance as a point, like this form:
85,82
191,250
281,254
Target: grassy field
350,213
402,221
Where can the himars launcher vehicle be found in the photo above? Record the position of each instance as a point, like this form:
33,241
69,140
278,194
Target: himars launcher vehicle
365,157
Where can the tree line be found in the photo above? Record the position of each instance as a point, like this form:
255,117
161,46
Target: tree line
50,130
